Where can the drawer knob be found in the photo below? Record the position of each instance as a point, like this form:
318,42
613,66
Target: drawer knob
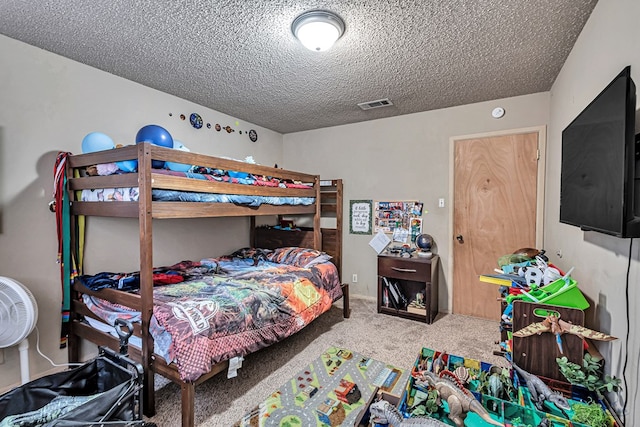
460,238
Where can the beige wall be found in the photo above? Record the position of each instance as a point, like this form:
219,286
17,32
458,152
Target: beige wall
48,104
403,158
608,43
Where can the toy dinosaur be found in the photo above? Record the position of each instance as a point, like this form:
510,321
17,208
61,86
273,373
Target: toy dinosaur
540,392
495,386
383,412
552,323
438,363
460,400
462,374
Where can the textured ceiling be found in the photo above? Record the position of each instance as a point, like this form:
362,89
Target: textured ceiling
240,57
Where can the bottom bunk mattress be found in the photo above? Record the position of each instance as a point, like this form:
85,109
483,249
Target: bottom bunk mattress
244,303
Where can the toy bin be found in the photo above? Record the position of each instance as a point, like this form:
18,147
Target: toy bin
429,360
515,413
575,395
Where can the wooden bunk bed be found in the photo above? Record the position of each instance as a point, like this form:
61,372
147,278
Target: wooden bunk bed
146,209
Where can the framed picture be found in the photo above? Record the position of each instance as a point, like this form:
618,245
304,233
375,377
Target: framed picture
360,216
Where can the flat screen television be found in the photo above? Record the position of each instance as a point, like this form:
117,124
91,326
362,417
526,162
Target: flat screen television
599,182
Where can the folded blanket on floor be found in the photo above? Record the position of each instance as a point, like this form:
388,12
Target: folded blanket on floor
59,406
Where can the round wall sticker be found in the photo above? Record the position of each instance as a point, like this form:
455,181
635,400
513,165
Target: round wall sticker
196,120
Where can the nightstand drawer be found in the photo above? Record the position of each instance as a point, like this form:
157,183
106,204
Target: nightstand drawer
404,269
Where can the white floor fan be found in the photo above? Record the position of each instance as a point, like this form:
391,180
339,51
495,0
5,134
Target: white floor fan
18,317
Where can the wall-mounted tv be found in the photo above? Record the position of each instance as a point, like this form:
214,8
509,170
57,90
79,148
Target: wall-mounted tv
600,174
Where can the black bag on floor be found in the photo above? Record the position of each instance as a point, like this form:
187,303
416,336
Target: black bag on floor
106,391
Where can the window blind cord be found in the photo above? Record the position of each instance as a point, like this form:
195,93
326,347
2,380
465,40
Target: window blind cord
45,356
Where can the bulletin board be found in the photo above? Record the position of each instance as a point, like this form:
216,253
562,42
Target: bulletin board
403,219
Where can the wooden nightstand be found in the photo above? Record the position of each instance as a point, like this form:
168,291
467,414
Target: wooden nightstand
408,277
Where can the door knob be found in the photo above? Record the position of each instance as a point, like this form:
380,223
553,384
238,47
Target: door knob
460,238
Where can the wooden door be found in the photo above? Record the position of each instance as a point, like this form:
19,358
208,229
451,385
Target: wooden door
494,213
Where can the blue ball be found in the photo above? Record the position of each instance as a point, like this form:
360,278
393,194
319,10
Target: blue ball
180,167
127,165
97,141
156,135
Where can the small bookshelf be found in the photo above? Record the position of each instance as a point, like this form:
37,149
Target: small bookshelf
408,287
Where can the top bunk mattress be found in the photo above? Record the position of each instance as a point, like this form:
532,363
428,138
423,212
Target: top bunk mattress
131,194
99,187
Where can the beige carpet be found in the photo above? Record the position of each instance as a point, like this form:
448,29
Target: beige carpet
221,402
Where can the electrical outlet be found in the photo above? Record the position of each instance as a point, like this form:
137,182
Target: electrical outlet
354,279
441,203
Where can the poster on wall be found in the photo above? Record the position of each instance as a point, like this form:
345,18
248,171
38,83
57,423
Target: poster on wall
416,228
389,216
360,216
401,219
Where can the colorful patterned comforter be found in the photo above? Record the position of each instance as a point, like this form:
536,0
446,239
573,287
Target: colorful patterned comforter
243,308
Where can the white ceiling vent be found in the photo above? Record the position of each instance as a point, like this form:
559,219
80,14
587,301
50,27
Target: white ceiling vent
386,102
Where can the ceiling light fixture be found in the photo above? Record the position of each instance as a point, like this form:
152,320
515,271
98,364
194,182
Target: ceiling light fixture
318,30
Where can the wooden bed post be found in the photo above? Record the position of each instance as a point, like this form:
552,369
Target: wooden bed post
73,342
338,200
146,273
252,231
346,309
317,233
188,404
